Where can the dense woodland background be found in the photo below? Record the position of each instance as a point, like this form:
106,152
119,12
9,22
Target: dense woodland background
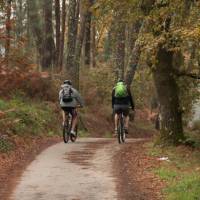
152,44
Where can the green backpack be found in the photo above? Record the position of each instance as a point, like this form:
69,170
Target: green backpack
121,90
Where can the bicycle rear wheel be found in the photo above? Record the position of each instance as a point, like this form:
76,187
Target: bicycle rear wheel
67,128
121,133
119,130
65,134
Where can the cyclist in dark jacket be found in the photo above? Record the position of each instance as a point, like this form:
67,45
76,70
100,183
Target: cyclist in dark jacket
122,105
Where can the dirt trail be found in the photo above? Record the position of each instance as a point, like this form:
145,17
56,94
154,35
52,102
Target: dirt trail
69,172
89,169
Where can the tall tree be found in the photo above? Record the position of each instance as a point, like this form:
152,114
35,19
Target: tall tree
58,40
120,47
20,17
79,44
88,20
135,48
71,37
93,43
49,45
139,28
62,37
36,28
167,92
8,30
165,77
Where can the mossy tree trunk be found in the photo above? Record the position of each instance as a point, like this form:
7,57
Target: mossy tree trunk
167,91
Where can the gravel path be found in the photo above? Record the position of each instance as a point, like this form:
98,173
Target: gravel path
74,171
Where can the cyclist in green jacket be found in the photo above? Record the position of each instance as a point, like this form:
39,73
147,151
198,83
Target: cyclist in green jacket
121,102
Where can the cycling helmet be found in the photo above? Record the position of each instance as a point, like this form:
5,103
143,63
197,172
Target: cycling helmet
68,82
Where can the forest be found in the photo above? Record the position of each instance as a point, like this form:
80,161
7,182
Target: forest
154,45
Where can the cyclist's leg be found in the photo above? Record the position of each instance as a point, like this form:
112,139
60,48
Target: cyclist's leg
126,118
64,114
116,121
117,111
126,124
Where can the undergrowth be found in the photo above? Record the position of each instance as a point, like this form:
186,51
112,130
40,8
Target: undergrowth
181,171
5,145
22,116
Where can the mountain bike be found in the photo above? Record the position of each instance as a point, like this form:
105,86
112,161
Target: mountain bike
121,135
67,129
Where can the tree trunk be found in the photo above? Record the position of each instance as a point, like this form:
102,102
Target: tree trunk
36,27
146,6
167,92
79,45
133,35
19,14
71,38
49,45
140,27
57,18
132,66
93,45
120,48
62,38
8,30
88,33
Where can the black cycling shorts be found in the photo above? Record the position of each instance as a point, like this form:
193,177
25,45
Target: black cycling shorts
70,110
121,109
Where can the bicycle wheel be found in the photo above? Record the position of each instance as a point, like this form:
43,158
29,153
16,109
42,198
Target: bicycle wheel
67,129
65,134
123,134
74,137
119,130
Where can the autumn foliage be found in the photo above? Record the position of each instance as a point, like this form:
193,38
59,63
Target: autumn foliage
33,84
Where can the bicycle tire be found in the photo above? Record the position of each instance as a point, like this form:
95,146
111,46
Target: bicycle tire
119,130
65,134
123,136
121,133
67,130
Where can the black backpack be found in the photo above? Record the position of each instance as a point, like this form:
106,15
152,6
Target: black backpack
67,94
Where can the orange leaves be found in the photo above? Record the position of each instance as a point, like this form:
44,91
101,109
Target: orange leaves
32,84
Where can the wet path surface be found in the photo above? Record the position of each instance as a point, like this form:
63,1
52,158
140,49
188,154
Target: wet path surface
79,171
